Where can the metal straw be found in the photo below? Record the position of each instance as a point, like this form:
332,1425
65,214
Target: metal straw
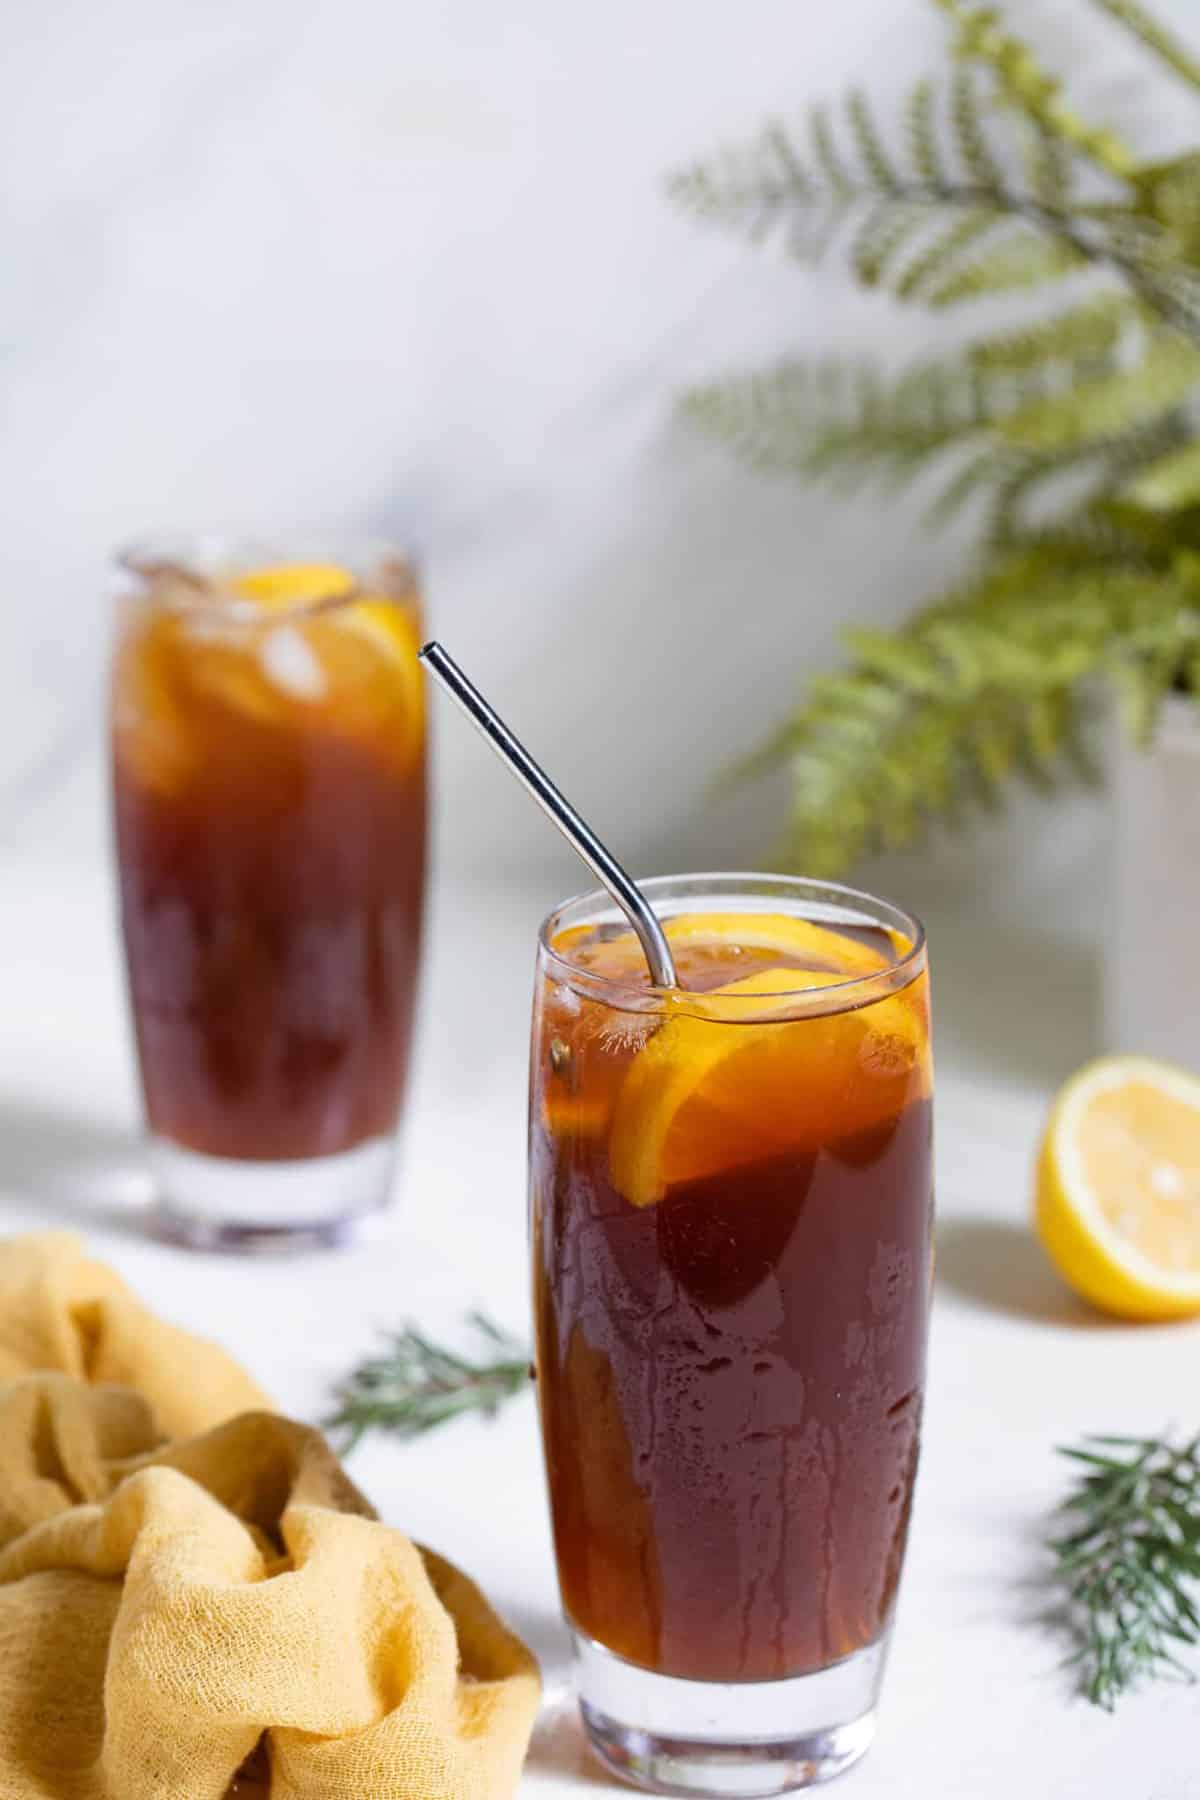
557,808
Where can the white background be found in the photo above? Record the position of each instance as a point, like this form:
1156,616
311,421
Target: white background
412,268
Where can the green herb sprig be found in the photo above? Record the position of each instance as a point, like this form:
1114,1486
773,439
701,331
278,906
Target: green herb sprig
414,1385
1130,1561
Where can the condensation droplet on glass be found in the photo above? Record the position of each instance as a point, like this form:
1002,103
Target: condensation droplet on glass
625,1034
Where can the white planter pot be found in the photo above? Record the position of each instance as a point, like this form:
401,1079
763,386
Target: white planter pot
1151,960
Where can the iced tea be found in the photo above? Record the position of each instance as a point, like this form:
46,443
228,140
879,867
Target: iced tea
269,792
731,1194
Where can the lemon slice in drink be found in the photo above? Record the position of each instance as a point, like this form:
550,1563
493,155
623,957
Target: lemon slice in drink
293,584
757,935
1118,1187
707,1095
385,628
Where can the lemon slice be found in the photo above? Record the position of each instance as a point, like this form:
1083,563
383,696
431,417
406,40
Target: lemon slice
292,584
385,628
706,1096
1118,1187
782,934
391,632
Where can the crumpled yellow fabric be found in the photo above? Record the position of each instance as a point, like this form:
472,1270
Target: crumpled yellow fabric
195,1602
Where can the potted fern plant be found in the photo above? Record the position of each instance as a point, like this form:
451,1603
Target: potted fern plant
1073,437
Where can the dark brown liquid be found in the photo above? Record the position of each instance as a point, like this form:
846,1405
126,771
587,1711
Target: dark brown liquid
731,1384
271,907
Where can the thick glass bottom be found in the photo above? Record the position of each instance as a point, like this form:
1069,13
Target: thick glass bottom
708,1739
224,1203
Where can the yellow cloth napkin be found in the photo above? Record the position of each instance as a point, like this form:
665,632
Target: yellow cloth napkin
175,1609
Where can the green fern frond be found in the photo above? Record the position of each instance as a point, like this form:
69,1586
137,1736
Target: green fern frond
921,131
1022,260
827,154
1073,437
1098,474
840,421
946,251
1050,169
978,691
886,232
1170,483
1082,334
1154,36
874,157
1030,90
966,116
1103,409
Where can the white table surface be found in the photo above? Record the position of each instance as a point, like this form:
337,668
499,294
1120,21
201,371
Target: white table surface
975,1703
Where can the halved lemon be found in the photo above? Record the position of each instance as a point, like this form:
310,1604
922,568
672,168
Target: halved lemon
706,1096
1118,1187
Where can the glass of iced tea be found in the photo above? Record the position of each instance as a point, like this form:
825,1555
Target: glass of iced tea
268,742
731,1226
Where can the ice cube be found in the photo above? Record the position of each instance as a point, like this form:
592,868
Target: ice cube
290,662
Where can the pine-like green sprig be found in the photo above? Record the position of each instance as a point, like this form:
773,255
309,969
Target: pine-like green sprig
1129,1561
413,1385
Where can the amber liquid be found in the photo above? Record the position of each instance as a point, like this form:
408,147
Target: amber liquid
731,1377
271,848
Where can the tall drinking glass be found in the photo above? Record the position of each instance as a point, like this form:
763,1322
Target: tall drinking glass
731,1228
268,742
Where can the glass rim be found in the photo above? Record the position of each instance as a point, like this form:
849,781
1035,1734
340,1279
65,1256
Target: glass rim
379,568
835,996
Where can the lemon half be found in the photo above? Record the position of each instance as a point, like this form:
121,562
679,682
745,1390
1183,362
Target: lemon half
1118,1187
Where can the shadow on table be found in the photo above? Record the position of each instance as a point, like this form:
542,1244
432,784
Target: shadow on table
546,1636
75,1171
558,1747
1010,1000
1001,1266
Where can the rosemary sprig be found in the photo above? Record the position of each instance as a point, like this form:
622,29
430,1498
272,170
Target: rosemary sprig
413,1384
1130,1560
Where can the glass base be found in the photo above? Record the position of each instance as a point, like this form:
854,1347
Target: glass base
707,1739
224,1203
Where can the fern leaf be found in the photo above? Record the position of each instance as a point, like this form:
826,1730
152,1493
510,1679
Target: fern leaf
966,116
924,149
1103,409
946,251
1173,191
1050,169
1023,260
1023,83
1169,484
833,169
989,684
840,422
876,160
778,152
1081,334
1155,37
886,232
986,470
